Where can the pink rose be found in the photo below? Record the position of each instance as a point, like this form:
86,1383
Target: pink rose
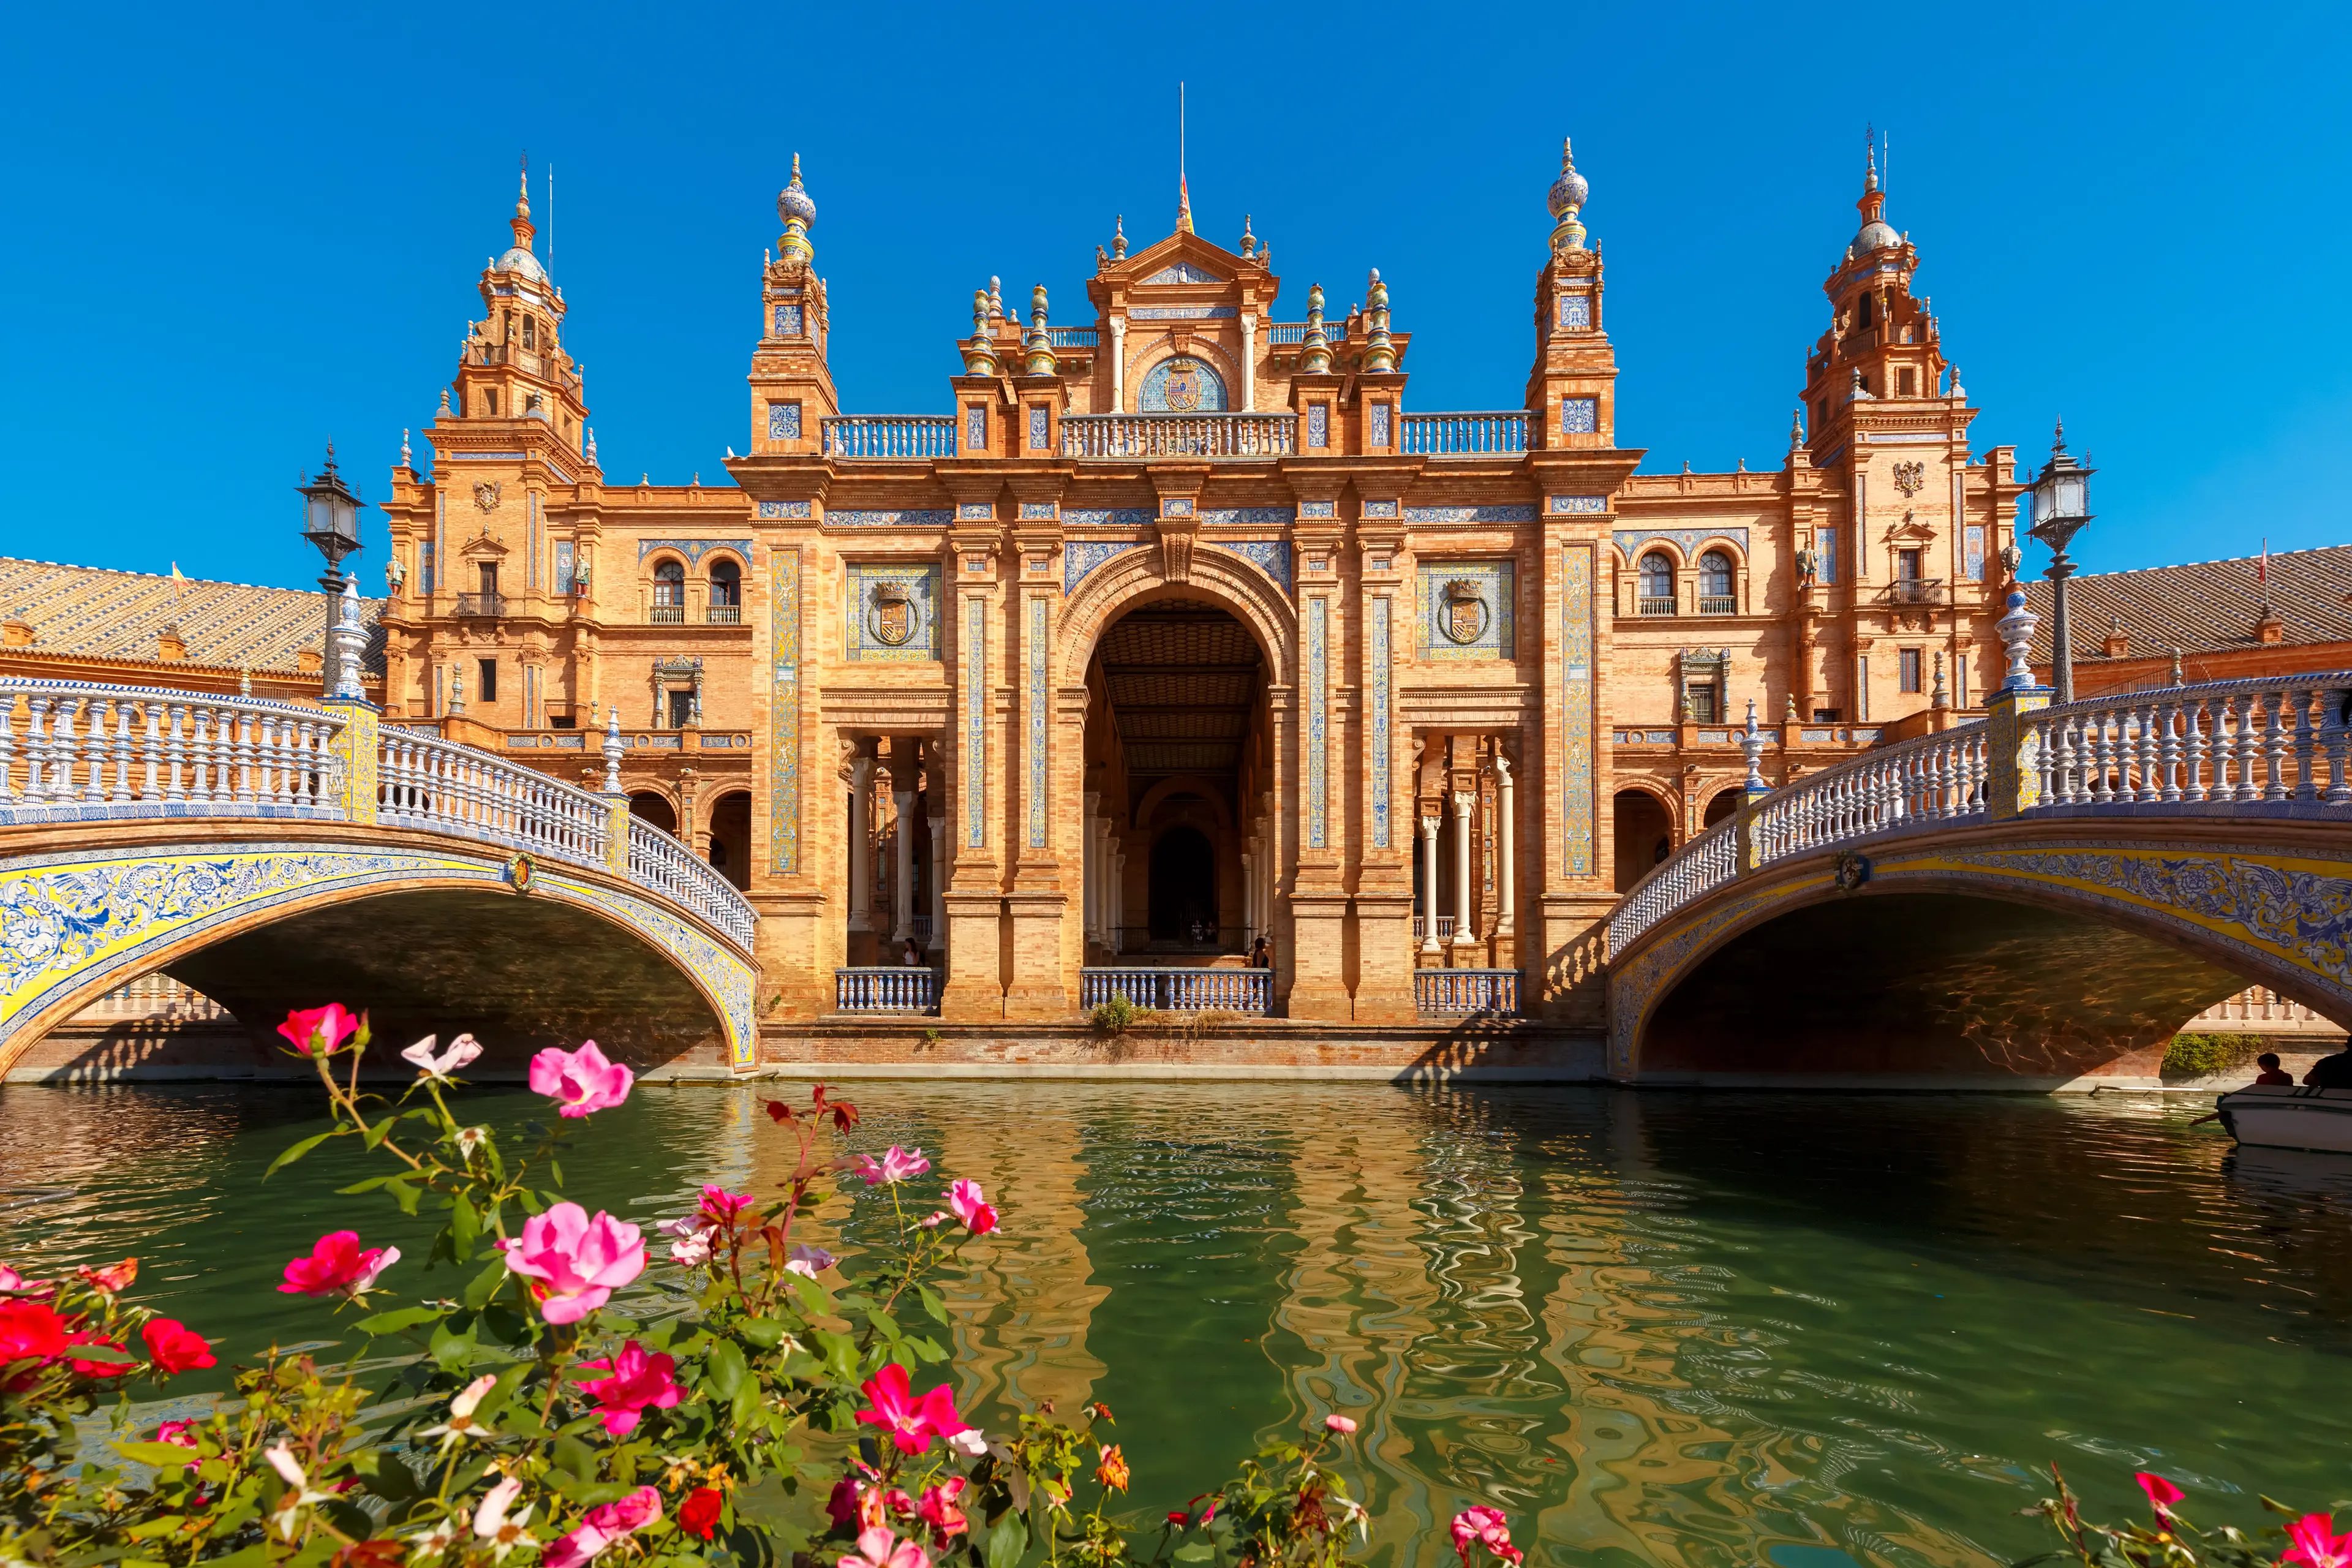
893,1167
639,1382
911,1423
966,1199
575,1263
319,1030
1340,1424
878,1548
421,1056
338,1266
580,1081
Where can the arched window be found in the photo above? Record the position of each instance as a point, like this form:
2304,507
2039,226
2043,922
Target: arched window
669,591
725,591
1714,589
1657,584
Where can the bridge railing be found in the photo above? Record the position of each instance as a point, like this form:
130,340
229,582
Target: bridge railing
667,867
81,750
2277,744
1178,989
423,780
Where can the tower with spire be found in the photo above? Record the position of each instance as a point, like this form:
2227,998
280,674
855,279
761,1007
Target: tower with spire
1572,388
511,364
791,383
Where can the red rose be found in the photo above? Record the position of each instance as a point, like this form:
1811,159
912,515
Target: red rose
698,1514
30,1331
173,1346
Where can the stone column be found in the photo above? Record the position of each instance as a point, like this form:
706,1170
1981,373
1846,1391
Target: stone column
1507,920
1249,361
861,869
903,869
1249,902
1119,364
1115,938
1463,801
938,884
1429,884
1089,868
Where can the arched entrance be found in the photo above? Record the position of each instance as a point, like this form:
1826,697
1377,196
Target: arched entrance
648,805
1177,760
1645,835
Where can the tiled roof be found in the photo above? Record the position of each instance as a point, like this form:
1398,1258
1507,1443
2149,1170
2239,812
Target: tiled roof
2207,607
101,614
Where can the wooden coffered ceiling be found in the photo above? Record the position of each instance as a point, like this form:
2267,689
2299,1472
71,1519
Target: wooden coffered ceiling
1182,676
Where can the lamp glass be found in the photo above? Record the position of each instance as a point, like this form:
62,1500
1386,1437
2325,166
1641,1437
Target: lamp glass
2069,498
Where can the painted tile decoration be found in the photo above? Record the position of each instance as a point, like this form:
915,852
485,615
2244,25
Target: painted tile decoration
784,713
1318,508
926,518
1825,545
1976,551
1182,272
1580,415
1319,423
1469,514
975,723
975,428
1106,516
1183,313
694,550
1376,425
788,321
1271,556
1580,503
1576,643
1375,656
1038,420
787,509
1251,516
784,421
975,511
1479,626
1036,511
1380,509
1177,506
564,563
1318,782
1689,540
1576,311
1081,556
1038,662
890,614
1182,384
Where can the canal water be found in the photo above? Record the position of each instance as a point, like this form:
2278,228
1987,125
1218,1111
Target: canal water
1712,1329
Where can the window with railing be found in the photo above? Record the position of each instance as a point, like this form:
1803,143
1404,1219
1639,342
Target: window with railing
1657,576
726,593
1715,595
669,593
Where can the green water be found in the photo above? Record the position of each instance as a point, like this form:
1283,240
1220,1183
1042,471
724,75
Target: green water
1675,1328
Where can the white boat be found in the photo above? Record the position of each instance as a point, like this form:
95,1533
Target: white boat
2288,1116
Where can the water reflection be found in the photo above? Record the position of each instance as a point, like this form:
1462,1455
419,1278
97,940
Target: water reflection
1700,1331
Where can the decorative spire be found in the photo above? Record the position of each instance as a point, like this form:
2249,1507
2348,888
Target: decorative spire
590,453
1183,205
2016,630
1751,740
1869,159
1568,195
1380,354
1249,240
798,213
521,222
445,400
344,644
980,356
1796,427
404,461
1039,350
1118,238
1941,697
995,299
1314,348
612,751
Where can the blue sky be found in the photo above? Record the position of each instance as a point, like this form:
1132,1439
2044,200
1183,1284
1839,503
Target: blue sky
236,233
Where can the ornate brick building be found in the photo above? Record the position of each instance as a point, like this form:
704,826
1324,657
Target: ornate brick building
1182,626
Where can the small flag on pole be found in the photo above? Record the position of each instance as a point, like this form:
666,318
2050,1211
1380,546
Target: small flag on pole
176,572
2262,568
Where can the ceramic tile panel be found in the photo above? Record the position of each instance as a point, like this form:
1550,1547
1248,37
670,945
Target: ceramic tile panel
890,612
1467,610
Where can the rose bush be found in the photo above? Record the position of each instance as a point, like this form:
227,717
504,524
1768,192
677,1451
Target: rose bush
2169,1540
526,1419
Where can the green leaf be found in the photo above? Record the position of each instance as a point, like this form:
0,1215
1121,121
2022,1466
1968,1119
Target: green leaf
1008,1541
1198,1551
765,1332
403,1192
724,1369
161,1456
452,1350
575,1458
370,1184
745,1408
932,1303
394,1323
298,1151
465,1227
485,1284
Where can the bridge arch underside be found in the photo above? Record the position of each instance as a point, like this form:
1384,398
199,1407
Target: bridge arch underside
449,948
2000,953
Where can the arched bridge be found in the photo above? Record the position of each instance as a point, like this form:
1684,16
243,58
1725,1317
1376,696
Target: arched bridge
275,856
2041,896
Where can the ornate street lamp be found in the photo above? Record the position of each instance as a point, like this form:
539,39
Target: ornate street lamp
331,520
2061,507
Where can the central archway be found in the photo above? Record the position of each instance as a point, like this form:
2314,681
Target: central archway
1184,887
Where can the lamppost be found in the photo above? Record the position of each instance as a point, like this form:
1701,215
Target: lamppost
331,520
2061,508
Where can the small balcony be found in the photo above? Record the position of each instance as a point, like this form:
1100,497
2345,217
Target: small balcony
1180,435
483,606
1914,591
1719,603
1649,607
1464,434
666,615
725,615
890,435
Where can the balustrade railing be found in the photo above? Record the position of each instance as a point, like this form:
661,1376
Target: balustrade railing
1464,434
1444,927
890,435
1462,992
1180,435
425,782
667,867
2279,745
1281,333
74,749
894,989
1178,990
1073,337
